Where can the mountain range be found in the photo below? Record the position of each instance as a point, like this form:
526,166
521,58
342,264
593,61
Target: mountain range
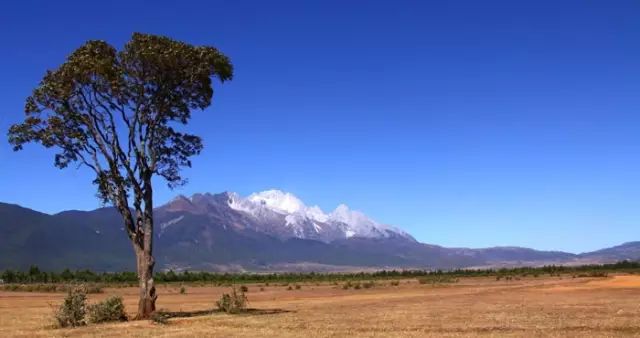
266,231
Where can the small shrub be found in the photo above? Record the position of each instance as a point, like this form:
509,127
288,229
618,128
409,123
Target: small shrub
160,317
394,283
109,310
261,289
357,286
183,290
72,311
289,288
234,302
368,285
298,287
244,288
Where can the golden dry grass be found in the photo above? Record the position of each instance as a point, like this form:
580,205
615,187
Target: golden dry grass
530,307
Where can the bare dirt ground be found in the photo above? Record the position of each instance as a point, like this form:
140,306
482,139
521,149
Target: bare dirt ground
530,307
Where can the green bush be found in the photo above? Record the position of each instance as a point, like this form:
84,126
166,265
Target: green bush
234,302
109,310
72,311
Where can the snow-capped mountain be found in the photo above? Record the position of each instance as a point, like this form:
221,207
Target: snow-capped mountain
310,222
283,215
269,231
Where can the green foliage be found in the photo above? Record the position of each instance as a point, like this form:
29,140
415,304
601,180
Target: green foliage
109,310
72,311
232,303
115,111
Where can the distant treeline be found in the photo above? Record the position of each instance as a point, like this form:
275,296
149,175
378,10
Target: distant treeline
35,275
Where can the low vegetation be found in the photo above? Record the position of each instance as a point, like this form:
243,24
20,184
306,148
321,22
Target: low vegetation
35,280
109,310
73,309
41,287
591,274
437,279
232,303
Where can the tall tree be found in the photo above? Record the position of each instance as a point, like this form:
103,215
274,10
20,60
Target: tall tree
117,113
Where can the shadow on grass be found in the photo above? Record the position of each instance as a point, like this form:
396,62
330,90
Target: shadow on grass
247,312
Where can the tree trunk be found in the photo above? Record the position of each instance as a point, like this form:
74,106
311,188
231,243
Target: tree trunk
148,296
144,254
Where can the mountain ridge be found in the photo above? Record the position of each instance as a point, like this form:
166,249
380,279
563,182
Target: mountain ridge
204,232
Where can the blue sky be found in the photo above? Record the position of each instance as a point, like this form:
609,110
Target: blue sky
467,123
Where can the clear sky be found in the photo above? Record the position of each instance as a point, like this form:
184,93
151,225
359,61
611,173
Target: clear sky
466,123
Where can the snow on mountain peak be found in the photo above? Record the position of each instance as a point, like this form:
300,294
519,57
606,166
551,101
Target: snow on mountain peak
301,219
278,200
358,222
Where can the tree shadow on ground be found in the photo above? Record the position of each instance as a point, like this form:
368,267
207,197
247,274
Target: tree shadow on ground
247,312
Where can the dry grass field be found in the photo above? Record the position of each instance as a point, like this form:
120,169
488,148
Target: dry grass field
529,307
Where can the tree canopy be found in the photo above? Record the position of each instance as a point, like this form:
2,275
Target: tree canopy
116,112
